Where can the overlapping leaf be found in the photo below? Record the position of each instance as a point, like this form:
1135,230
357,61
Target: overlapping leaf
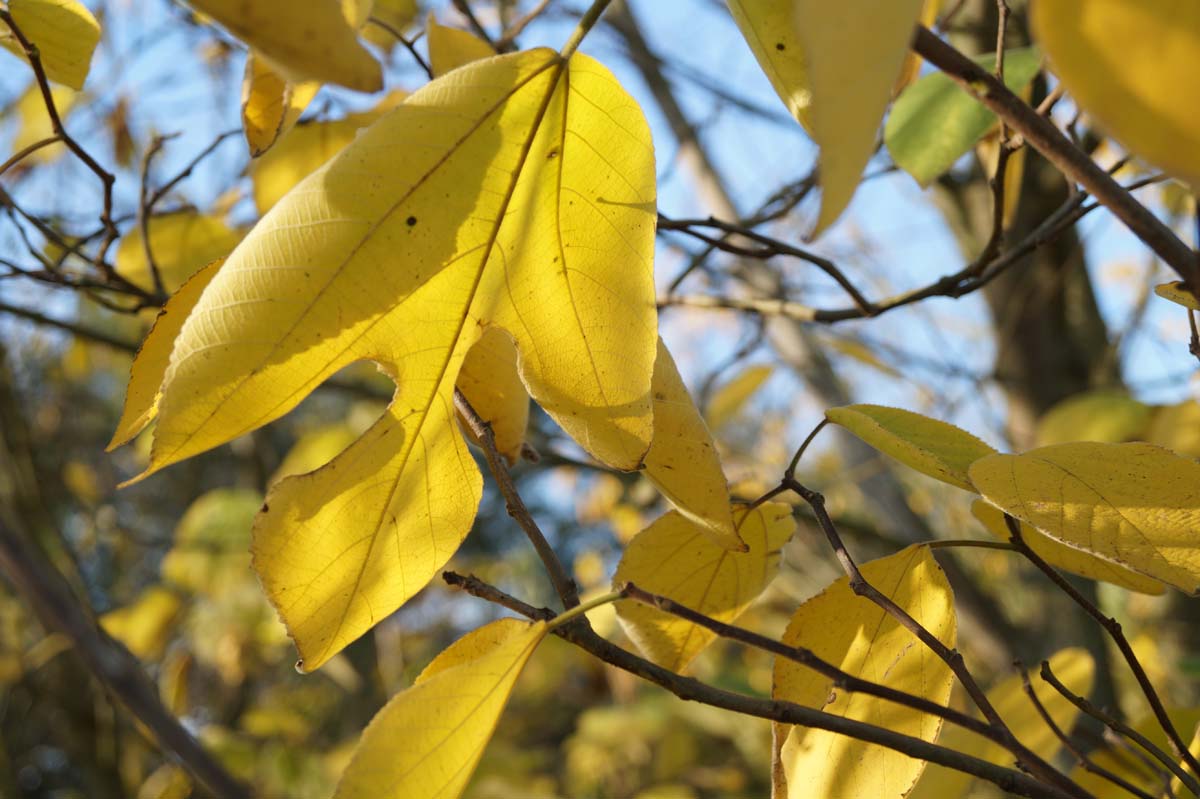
491,382
181,243
1137,505
1130,64
271,104
1074,667
673,557
862,639
767,26
932,447
65,33
1057,554
426,741
310,41
451,48
517,192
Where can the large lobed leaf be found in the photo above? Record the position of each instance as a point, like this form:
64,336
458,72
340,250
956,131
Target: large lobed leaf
518,193
862,639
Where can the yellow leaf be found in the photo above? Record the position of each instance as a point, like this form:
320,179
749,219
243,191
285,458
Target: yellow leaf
182,244
1129,63
65,33
988,151
270,104
145,625
682,462
396,14
768,27
427,740
912,61
309,41
1109,416
491,197
1064,557
209,553
451,48
491,382
673,557
1177,293
854,50
935,448
1074,667
150,364
1133,504
305,149
34,124
1177,427
860,638
728,400
314,449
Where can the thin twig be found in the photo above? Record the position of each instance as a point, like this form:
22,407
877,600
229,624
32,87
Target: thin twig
144,211
404,40
508,39
28,150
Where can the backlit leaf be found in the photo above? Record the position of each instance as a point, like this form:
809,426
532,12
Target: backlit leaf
145,625
768,27
150,364
682,461
935,121
1064,557
1076,670
396,14
182,244
855,50
727,401
862,639
427,740
1178,294
935,448
1134,504
451,48
494,196
311,41
491,382
65,33
34,125
1129,63
675,558
314,449
271,104
209,554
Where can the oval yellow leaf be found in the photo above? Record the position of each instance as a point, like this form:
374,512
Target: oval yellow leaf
310,41
65,33
1131,65
145,625
270,104
491,382
728,400
852,68
859,637
182,243
150,363
1064,557
935,448
675,558
1137,505
768,28
492,197
683,462
427,740
1074,667
1109,416
1177,293
451,48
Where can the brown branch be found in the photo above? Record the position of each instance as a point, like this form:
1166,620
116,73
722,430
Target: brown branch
508,39
1113,628
564,585
28,150
55,604
581,635
404,40
145,208
1044,137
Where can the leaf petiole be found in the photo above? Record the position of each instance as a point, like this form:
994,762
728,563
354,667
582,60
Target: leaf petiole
579,610
586,23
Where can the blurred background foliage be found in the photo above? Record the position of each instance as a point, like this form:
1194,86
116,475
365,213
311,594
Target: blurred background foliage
165,563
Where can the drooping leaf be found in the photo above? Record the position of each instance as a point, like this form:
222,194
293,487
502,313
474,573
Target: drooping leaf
854,51
912,61
729,399
1133,504
271,104
862,639
491,382
1108,416
768,28
1076,670
182,244
674,557
683,462
1177,293
311,41
494,196
1129,64
1064,557
932,447
153,357
451,48
427,740
935,122
65,33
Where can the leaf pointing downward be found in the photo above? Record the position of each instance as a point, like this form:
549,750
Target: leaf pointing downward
516,192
